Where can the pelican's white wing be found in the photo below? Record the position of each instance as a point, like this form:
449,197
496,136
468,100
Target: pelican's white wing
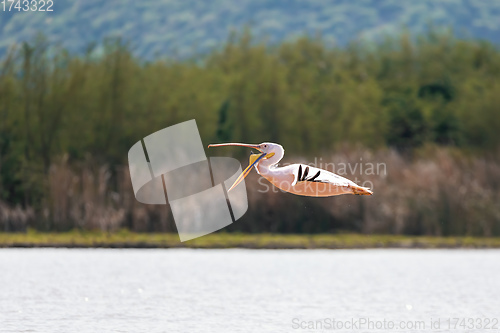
306,180
306,173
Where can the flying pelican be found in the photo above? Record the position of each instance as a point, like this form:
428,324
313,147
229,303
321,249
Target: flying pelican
298,179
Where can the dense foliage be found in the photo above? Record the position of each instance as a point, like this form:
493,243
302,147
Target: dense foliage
402,94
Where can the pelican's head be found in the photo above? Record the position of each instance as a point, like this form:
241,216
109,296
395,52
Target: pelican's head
269,152
271,149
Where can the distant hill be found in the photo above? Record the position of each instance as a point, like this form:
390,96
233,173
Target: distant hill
186,27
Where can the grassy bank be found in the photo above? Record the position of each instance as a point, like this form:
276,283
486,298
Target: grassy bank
126,239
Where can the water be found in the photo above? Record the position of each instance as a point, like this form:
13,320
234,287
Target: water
183,290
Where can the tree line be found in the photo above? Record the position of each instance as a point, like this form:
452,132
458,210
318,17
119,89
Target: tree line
84,111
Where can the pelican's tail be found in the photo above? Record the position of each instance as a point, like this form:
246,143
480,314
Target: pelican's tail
360,190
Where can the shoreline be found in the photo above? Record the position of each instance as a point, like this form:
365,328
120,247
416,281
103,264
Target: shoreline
126,239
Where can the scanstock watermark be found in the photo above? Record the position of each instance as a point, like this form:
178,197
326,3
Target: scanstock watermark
353,324
170,167
367,324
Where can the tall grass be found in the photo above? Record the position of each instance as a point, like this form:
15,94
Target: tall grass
439,191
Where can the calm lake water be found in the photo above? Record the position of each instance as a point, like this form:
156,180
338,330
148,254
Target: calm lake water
185,290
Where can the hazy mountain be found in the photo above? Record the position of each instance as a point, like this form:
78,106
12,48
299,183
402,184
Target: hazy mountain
185,27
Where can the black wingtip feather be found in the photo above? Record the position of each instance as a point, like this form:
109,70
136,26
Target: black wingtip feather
306,171
315,176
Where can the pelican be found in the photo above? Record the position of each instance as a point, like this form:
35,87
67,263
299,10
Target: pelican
299,179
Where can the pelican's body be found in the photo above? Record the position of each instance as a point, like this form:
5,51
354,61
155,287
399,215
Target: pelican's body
298,179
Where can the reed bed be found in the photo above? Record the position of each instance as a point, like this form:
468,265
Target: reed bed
437,191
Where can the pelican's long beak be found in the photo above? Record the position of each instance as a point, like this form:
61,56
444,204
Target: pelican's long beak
254,159
235,144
